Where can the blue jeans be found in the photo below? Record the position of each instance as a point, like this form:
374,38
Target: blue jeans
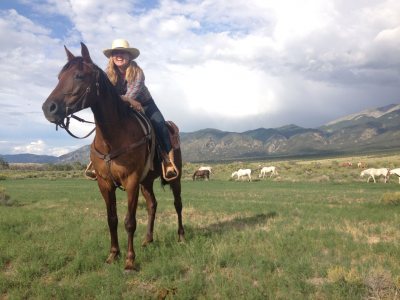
157,120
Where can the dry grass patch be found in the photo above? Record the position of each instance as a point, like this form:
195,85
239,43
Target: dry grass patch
381,285
391,198
365,232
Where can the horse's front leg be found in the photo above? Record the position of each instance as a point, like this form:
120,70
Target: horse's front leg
130,225
112,219
151,204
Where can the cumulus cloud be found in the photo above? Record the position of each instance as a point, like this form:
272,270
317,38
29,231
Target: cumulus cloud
232,65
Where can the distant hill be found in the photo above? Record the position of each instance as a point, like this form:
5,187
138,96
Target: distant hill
370,130
29,158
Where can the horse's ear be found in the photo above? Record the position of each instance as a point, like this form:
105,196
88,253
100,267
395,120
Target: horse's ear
85,53
69,54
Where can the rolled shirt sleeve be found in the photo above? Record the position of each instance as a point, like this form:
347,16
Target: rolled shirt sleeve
137,89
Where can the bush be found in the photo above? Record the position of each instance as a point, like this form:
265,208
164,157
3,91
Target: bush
5,198
391,198
3,164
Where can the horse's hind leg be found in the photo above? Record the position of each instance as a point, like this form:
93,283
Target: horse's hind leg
176,190
151,204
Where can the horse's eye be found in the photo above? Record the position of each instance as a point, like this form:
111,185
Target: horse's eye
79,76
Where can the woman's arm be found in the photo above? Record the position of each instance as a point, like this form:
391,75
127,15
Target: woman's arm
133,103
135,87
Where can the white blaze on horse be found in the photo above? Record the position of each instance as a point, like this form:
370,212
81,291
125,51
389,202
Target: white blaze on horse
208,168
242,173
395,172
372,173
266,170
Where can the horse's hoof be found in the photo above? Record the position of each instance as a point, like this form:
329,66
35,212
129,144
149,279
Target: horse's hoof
127,271
146,242
181,239
129,265
112,257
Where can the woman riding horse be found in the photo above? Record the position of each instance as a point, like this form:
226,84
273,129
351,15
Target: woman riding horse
121,150
128,78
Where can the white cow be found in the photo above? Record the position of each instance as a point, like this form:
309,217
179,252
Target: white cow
395,172
372,172
266,170
208,168
241,173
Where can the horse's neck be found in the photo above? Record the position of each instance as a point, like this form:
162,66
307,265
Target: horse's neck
110,119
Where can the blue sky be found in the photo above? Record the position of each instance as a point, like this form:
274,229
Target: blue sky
231,65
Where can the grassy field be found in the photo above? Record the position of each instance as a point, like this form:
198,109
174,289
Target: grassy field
316,231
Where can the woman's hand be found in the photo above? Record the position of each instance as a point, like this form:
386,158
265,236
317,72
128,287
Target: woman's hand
134,104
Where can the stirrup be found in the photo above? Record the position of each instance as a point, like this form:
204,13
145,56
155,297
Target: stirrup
174,172
90,173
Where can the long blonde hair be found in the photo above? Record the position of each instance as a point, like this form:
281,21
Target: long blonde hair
130,75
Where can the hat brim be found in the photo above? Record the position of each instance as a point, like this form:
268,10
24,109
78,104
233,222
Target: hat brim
132,51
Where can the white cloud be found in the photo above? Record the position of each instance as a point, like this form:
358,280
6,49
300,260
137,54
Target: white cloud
226,89
39,147
36,147
239,64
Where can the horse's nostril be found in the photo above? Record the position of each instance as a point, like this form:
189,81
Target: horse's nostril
53,108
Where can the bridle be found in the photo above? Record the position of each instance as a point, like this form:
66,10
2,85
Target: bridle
69,111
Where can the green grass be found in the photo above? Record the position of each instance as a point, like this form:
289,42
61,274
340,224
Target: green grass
259,240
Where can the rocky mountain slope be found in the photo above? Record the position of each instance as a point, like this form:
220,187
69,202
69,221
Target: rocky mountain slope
370,130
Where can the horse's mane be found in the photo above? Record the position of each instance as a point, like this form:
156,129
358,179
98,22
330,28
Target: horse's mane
107,87
105,84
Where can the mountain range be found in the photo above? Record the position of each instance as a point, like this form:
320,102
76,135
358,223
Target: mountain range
367,131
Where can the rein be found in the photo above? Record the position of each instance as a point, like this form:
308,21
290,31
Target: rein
65,125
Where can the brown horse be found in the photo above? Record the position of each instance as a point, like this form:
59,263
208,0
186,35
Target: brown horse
205,174
121,149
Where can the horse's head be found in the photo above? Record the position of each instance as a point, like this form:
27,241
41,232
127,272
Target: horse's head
76,85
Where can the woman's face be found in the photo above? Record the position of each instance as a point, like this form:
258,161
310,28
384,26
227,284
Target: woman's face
121,59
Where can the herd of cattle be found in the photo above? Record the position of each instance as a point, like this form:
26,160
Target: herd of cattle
204,172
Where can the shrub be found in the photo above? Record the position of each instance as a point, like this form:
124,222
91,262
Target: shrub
391,198
4,164
336,274
5,198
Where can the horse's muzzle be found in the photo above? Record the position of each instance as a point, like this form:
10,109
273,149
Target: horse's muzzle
53,112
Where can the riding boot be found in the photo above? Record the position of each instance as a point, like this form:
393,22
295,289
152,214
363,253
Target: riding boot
90,173
170,171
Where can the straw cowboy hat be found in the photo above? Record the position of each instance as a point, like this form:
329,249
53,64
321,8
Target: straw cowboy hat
121,45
